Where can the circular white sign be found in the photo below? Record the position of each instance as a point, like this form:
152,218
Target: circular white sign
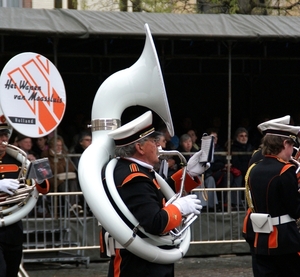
32,94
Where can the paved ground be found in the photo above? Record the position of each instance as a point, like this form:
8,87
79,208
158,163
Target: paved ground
221,266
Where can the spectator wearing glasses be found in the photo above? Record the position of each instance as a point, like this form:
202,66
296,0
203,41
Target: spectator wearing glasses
243,150
241,154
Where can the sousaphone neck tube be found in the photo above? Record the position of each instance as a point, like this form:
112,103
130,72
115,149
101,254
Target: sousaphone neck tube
101,124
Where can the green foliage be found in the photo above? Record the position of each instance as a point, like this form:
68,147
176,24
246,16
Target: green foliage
230,6
161,6
233,6
155,6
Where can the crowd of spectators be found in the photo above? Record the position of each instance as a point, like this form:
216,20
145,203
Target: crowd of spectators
187,140
223,173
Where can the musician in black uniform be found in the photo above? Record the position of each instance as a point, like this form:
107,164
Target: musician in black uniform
256,157
273,186
11,236
257,154
135,180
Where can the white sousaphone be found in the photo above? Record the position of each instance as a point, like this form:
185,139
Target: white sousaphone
141,84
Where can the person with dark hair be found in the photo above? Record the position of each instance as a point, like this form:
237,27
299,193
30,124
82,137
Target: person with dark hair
272,192
39,145
186,148
136,183
84,141
25,143
193,134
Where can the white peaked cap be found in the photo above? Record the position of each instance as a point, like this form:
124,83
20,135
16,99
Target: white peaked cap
280,127
133,131
283,120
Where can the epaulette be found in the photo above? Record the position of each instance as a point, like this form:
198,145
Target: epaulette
133,167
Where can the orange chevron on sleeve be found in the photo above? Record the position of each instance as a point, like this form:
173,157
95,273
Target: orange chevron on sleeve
189,183
133,175
174,217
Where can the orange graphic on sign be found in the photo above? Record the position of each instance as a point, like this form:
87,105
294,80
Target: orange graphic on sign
36,90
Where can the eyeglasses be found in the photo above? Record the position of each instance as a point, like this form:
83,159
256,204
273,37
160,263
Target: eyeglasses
152,140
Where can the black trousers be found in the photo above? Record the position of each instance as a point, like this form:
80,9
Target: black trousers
126,264
278,265
10,259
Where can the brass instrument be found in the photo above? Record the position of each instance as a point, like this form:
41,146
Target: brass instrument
14,207
296,158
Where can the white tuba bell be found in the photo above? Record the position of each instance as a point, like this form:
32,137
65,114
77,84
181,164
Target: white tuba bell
141,84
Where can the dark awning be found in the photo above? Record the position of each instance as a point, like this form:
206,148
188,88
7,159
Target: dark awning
74,23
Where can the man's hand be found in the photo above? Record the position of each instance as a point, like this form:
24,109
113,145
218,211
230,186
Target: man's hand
9,185
188,204
194,167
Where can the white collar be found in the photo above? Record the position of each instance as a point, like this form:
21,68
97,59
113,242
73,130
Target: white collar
140,162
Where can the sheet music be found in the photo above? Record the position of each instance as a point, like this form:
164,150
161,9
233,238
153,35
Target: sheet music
164,168
40,170
207,146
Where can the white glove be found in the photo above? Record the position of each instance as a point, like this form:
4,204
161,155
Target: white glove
194,167
9,185
188,204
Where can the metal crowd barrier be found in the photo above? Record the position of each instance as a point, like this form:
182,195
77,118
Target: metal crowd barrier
53,232
73,236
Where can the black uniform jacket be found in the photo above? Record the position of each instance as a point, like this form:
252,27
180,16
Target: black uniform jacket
274,190
141,193
12,234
